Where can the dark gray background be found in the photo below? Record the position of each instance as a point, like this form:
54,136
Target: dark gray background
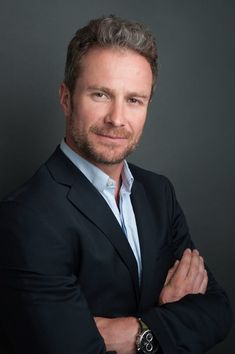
190,131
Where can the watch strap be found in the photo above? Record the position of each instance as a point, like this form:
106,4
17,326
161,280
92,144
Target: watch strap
145,341
143,326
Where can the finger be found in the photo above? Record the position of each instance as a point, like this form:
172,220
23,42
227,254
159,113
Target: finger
194,268
97,320
194,265
171,272
200,276
183,267
204,283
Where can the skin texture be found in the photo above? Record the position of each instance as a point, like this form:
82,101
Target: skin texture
107,111
105,117
187,276
119,333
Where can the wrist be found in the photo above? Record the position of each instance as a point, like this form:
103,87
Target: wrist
146,343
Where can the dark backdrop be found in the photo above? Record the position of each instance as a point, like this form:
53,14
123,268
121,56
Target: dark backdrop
190,131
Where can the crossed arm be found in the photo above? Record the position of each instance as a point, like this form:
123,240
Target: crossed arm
187,276
43,310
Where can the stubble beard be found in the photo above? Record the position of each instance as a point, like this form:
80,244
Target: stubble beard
107,153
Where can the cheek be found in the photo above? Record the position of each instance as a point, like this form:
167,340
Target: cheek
89,114
138,125
80,118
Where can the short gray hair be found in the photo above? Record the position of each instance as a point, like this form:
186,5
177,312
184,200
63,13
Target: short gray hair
107,32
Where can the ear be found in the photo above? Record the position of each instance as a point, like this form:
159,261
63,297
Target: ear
65,99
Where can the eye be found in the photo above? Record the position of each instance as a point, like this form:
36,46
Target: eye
99,96
135,101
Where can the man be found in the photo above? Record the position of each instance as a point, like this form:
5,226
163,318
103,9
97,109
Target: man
95,253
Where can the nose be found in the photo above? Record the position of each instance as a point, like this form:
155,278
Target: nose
116,114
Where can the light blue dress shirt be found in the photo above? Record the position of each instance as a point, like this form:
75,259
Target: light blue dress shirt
106,186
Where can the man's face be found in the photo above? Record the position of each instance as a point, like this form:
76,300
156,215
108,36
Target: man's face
107,112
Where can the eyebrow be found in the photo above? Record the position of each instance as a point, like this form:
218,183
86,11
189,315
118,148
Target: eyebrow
111,92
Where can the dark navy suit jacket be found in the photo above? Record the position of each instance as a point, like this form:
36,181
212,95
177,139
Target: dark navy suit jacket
64,259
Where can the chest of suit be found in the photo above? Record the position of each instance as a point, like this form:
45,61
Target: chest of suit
98,253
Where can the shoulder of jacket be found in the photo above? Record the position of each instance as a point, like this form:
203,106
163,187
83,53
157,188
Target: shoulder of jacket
142,175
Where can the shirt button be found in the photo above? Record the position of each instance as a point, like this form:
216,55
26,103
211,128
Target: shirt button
110,183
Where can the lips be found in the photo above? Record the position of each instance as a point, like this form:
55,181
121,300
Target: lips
118,133
111,136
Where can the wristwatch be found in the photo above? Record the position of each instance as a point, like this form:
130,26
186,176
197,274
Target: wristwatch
146,343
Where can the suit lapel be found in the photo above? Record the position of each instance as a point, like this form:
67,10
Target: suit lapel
90,202
146,226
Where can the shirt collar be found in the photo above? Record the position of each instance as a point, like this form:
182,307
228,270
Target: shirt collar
95,175
127,178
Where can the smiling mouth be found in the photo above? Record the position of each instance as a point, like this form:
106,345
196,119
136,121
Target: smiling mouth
113,137
111,134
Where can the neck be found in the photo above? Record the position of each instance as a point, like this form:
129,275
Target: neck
114,172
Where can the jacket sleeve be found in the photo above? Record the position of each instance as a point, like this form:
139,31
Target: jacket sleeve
197,322
42,307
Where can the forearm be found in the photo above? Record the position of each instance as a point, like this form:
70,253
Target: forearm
192,325
119,334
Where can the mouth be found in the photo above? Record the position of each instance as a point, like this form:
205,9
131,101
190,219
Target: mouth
108,138
111,137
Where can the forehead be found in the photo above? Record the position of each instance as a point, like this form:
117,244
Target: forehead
115,67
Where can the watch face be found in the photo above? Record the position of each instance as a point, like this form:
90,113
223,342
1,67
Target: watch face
148,344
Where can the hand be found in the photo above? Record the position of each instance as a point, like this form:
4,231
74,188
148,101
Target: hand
119,334
187,276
